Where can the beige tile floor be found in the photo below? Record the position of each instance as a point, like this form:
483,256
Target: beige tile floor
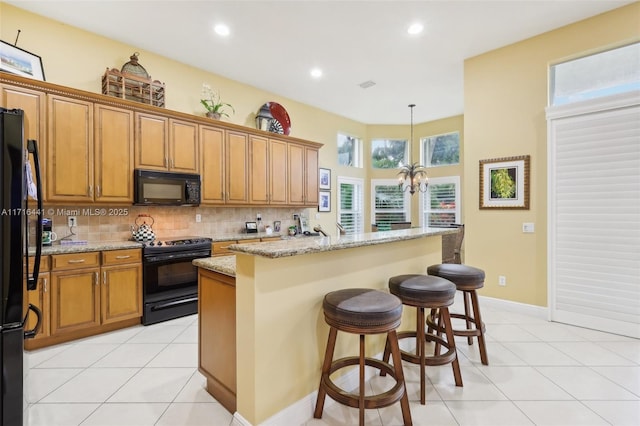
540,373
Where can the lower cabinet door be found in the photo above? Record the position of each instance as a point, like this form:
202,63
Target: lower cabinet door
75,300
40,299
121,297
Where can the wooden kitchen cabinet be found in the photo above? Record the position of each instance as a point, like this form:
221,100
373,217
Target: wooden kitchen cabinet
237,171
165,144
113,154
121,286
40,298
69,170
217,335
151,142
33,103
183,147
303,175
212,165
268,168
75,292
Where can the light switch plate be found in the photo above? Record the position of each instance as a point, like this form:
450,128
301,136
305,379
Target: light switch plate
528,228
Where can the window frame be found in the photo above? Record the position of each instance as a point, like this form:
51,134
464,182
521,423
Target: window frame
401,162
359,213
389,182
424,151
357,150
425,205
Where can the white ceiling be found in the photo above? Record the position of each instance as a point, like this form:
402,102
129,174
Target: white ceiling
274,44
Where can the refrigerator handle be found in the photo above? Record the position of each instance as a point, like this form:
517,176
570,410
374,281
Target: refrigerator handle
30,334
32,282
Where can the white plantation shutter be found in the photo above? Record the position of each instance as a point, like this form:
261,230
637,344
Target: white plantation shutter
350,208
390,203
594,214
440,205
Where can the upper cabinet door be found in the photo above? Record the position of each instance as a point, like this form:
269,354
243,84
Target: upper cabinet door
259,170
33,103
237,155
70,149
183,146
277,172
151,142
212,165
296,171
311,178
113,153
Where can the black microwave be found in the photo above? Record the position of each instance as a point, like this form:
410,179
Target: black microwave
165,188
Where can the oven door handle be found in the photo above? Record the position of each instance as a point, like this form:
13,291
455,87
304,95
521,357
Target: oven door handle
172,304
175,256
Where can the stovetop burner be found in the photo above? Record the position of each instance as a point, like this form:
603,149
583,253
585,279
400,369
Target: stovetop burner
177,244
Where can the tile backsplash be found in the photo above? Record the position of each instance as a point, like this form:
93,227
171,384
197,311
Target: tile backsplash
96,223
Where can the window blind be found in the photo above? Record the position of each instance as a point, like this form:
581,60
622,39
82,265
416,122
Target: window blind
350,211
594,201
390,204
441,202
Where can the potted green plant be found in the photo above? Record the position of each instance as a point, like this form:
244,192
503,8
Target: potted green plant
212,103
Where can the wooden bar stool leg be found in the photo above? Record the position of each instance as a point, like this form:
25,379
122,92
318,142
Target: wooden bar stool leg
326,366
455,365
420,352
436,351
479,327
467,315
361,394
392,339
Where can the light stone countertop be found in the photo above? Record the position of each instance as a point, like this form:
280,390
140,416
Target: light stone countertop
306,245
222,264
83,248
243,236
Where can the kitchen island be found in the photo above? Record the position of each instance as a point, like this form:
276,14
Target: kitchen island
262,331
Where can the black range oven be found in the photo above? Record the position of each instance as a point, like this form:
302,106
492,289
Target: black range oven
170,279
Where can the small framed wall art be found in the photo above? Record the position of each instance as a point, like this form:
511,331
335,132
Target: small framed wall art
251,227
324,201
325,178
20,62
504,183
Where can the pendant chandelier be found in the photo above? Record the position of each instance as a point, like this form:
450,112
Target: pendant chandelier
412,177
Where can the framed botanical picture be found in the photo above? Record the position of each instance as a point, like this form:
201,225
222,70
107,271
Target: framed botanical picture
504,183
325,178
324,201
20,62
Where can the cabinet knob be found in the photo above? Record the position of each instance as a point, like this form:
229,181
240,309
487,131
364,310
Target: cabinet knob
95,277
90,190
104,277
44,285
98,192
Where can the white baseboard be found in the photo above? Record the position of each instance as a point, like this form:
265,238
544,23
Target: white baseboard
241,421
541,312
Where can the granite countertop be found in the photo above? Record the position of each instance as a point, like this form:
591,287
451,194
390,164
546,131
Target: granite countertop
222,264
244,236
306,245
83,248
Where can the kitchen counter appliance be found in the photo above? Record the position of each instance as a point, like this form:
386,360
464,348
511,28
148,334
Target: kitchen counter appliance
153,188
170,280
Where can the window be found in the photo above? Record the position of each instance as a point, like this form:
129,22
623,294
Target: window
440,205
594,76
388,154
349,151
441,150
390,203
350,210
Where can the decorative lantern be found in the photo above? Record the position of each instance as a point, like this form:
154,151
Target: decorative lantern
263,118
134,83
272,117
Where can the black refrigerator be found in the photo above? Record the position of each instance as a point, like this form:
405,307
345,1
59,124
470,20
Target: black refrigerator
15,268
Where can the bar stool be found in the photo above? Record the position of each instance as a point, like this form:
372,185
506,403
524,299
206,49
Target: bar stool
363,311
424,291
467,280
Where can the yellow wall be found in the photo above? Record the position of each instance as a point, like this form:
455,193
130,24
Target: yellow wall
505,100
78,59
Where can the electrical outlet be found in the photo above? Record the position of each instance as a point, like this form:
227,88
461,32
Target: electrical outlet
502,280
198,218
259,217
72,221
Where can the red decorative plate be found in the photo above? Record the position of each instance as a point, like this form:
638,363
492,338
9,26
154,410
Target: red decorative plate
282,122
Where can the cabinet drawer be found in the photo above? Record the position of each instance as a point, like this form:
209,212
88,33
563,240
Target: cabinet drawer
45,263
221,248
118,257
62,262
251,240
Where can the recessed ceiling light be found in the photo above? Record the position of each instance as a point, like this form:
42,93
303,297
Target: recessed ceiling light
415,29
221,30
316,73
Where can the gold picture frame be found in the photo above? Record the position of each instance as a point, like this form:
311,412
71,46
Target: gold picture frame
504,183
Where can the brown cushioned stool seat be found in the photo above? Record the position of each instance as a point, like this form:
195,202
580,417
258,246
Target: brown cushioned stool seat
424,291
363,311
467,280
